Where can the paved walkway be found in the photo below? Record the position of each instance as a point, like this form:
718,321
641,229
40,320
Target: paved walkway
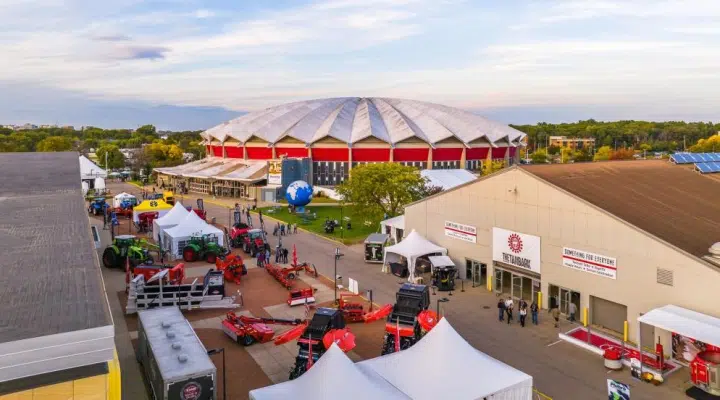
560,370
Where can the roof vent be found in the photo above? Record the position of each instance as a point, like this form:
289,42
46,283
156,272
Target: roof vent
182,358
170,334
165,324
176,345
714,256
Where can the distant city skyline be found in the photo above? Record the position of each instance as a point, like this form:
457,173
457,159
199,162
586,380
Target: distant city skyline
186,64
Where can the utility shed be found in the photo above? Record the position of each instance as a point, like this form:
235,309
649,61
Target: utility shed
175,361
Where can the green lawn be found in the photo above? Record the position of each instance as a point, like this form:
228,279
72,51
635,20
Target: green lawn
324,200
358,233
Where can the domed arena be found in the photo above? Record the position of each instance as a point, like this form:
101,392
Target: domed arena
339,133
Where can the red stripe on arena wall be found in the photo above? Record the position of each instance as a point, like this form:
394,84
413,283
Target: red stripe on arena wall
419,154
499,152
298,152
258,153
217,151
477,153
368,155
330,154
234,152
447,154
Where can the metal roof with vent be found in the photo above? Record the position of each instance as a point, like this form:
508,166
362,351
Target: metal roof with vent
177,350
351,119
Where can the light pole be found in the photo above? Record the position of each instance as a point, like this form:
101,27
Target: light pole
337,257
442,300
215,351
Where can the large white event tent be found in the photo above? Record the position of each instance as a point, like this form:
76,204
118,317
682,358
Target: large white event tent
457,371
412,247
333,376
174,239
449,358
90,170
176,215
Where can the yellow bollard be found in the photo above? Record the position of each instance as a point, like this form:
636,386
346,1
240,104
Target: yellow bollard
585,316
489,285
625,331
539,300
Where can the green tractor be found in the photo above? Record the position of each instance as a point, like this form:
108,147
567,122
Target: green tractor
203,247
127,246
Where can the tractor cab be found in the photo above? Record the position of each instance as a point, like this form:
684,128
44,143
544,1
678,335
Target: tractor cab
97,206
254,241
124,242
203,247
311,343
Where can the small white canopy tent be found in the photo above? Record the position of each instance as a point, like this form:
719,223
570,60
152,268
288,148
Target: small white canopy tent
90,170
176,215
333,376
684,322
175,238
395,227
412,247
122,196
474,375
441,261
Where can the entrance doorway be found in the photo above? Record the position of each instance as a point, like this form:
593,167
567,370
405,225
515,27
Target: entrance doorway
476,272
508,283
562,297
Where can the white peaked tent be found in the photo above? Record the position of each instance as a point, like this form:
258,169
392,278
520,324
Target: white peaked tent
176,215
90,170
334,376
120,197
412,247
174,239
458,370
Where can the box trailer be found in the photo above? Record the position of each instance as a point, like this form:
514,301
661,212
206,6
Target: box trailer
176,363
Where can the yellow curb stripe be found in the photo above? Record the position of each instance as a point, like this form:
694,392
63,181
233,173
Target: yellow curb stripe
541,395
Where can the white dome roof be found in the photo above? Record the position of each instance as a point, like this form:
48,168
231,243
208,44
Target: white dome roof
351,119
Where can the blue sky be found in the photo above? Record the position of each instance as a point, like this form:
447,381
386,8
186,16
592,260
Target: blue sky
87,61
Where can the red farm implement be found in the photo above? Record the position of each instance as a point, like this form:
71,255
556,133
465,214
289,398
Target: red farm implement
145,221
232,266
353,312
248,330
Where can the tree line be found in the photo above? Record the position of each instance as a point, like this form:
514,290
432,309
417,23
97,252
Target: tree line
152,151
657,136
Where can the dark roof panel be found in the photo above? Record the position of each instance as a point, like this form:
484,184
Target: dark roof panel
669,201
50,280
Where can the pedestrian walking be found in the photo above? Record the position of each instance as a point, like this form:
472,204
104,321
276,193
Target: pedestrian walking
295,228
285,255
523,313
267,254
275,231
509,309
555,312
260,258
534,312
572,308
278,249
501,310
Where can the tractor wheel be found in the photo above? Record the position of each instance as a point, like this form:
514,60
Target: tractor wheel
291,276
210,258
247,340
109,258
189,254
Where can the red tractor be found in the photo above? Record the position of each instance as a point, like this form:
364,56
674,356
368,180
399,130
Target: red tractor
253,242
408,320
232,266
248,330
238,233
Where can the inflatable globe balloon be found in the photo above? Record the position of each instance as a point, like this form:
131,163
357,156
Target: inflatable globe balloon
299,193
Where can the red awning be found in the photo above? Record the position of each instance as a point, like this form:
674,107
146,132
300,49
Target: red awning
217,151
447,154
234,152
330,154
298,152
477,153
258,153
419,154
371,154
499,152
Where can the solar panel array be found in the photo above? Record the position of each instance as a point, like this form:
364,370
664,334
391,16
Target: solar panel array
694,158
707,168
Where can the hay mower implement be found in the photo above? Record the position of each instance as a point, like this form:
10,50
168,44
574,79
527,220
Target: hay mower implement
203,247
353,312
286,275
408,320
145,221
248,330
175,274
232,266
314,337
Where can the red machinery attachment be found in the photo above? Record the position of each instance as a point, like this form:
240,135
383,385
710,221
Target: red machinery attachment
342,337
145,221
291,334
248,330
378,314
301,296
175,275
232,266
285,275
427,320
705,371
353,312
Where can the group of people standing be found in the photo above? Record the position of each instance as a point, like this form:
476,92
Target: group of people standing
507,306
283,229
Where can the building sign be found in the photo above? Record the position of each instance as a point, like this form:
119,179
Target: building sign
516,249
589,262
618,390
274,173
191,391
461,231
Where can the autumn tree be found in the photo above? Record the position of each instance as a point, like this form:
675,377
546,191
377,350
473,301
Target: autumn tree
539,156
603,154
382,189
115,159
55,143
709,145
490,166
623,154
